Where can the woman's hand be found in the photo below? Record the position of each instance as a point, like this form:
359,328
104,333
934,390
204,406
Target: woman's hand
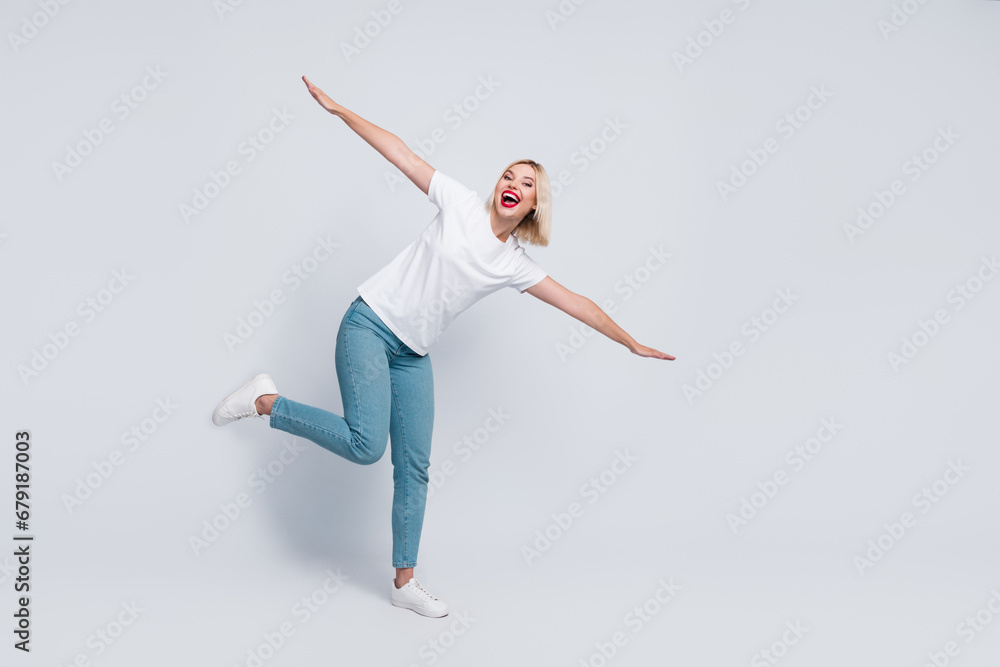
322,98
386,143
644,351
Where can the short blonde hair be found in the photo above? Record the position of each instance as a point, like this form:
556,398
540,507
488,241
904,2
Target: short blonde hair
535,227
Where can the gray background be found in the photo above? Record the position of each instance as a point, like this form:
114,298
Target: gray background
665,517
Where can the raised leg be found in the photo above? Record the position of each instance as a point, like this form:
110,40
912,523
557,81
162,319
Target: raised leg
362,364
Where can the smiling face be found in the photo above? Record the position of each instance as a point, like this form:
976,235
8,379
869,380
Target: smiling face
514,195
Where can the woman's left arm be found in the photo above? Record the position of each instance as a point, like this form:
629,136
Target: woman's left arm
588,312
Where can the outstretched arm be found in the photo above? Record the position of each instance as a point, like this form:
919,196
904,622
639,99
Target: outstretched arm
588,312
388,144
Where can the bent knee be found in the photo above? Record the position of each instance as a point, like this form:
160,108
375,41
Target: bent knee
367,457
367,453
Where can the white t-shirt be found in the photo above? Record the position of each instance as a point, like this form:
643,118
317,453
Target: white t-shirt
455,261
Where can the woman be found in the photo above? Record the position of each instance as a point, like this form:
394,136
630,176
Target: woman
468,251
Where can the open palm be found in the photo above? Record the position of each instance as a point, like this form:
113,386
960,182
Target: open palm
321,97
644,351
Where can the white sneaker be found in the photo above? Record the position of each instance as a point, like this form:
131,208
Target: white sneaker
240,403
414,596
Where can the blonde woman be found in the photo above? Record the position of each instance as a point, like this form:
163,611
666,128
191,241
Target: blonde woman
471,249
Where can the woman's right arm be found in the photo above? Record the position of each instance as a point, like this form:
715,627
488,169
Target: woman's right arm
388,144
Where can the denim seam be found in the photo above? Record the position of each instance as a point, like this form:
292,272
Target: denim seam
271,417
318,429
402,446
350,366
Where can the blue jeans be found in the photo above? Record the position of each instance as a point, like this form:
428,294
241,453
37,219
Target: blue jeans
388,392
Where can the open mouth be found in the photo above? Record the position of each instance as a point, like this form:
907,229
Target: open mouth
509,199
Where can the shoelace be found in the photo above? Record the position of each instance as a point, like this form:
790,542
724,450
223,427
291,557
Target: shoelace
421,591
248,413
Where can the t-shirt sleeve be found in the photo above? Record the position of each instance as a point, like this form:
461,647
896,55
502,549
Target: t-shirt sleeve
446,191
526,273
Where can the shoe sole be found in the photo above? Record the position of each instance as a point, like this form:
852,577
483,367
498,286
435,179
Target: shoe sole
419,610
215,413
